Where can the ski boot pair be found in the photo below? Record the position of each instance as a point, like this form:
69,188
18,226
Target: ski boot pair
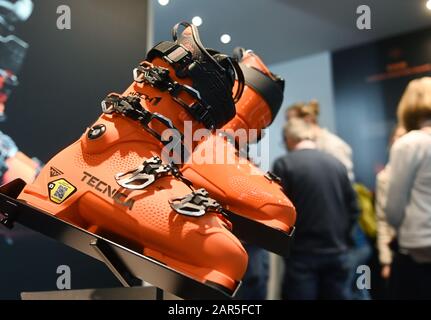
113,181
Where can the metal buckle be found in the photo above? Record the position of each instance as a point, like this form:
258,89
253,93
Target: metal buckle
155,76
159,77
145,175
131,107
195,204
115,103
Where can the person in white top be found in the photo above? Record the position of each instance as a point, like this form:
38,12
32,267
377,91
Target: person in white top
408,205
325,140
385,233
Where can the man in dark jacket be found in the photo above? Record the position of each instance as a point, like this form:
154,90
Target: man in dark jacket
319,186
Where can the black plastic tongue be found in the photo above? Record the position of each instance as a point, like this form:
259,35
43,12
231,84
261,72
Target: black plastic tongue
190,39
213,74
186,39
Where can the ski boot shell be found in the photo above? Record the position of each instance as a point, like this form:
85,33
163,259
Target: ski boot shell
240,186
84,184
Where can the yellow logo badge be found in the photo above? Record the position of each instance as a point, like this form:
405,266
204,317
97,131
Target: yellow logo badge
60,190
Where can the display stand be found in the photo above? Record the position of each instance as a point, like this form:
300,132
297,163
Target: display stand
130,267
142,293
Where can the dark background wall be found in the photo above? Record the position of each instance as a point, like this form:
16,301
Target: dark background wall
369,81
65,76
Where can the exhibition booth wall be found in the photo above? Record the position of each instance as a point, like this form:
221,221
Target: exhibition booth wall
66,75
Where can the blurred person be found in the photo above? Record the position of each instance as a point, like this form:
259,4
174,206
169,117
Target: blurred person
319,186
295,111
408,205
325,140
255,281
385,233
330,143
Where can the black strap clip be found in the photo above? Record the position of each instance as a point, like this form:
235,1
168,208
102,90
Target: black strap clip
199,110
174,54
273,177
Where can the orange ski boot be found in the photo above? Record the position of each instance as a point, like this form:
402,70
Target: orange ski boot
152,208
239,185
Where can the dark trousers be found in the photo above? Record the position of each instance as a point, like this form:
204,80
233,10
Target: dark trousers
255,281
410,280
316,276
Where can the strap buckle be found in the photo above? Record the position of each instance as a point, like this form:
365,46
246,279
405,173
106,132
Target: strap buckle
195,204
159,78
155,76
131,107
145,175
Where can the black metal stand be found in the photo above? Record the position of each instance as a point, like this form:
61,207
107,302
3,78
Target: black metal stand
134,293
125,264
250,231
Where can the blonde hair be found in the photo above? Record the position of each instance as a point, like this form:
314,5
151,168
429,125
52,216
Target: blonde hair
304,110
415,105
299,130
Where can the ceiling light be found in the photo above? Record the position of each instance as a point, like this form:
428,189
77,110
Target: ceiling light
197,21
428,4
225,38
163,2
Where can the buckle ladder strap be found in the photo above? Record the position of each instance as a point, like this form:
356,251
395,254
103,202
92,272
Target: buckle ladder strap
174,54
195,204
158,77
132,108
140,178
147,173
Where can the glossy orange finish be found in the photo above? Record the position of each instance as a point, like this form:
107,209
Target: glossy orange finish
200,247
239,185
252,112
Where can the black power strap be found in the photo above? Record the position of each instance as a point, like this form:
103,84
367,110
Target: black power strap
213,75
176,55
270,90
